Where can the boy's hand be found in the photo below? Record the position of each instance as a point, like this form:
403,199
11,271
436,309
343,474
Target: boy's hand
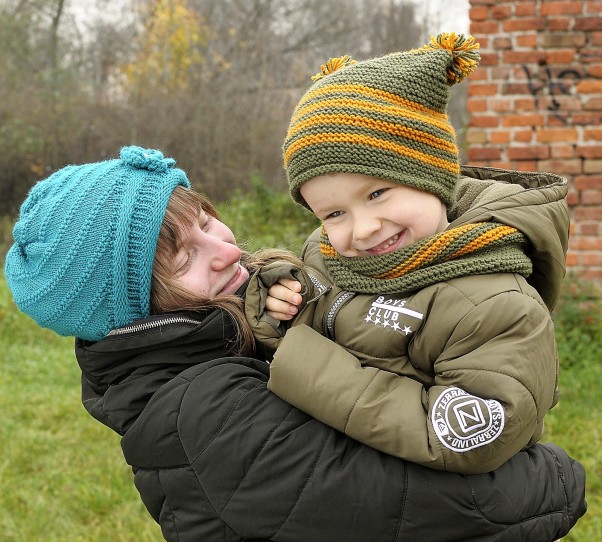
283,299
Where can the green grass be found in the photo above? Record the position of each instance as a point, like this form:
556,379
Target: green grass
62,474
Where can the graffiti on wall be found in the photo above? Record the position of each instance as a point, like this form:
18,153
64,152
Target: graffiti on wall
542,82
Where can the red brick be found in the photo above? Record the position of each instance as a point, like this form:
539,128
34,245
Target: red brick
587,228
483,153
478,13
484,27
501,11
528,153
526,9
528,40
524,57
524,104
592,197
595,38
593,103
595,6
489,59
595,71
591,259
589,151
592,134
474,135
587,182
523,120
484,121
590,56
590,119
571,259
547,135
560,56
561,8
572,199
562,151
564,39
588,24
522,136
524,165
589,86
524,24
570,167
559,23
501,104
592,166
502,43
476,104
482,89
499,136
588,214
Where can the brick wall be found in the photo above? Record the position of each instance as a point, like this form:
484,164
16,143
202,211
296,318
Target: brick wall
535,103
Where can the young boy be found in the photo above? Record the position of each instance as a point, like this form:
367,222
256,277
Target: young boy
449,357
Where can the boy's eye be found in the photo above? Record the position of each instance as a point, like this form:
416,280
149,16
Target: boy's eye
377,193
334,214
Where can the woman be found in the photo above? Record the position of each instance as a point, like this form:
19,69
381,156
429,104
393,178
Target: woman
124,256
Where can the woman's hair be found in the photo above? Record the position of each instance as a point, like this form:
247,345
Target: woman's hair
183,211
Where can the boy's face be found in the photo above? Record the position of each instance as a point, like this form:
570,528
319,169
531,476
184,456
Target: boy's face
208,261
367,216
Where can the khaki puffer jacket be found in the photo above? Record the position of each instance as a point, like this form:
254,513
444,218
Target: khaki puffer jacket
457,376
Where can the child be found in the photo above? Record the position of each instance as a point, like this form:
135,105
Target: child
449,357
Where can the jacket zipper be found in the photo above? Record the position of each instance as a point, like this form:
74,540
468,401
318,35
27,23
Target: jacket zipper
341,299
168,320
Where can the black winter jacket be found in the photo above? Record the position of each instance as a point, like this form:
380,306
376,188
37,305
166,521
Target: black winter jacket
218,457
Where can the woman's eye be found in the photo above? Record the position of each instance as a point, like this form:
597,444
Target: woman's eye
377,193
184,265
205,222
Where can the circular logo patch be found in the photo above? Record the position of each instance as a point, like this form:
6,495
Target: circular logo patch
463,421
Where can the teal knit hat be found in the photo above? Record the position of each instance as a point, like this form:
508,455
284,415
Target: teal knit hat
385,117
85,243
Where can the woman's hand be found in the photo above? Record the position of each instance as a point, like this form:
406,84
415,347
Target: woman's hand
283,299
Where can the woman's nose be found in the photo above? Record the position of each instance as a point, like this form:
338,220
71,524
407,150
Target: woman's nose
225,254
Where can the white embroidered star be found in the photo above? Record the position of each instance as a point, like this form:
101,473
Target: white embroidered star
368,318
407,329
396,326
377,321
385,323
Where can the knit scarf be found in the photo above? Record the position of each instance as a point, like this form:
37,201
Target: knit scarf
485,247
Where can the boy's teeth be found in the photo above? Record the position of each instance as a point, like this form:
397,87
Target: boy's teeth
389,242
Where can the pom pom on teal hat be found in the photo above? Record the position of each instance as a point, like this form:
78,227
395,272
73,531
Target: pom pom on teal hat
85,241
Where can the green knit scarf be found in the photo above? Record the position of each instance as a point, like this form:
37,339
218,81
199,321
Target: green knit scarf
486,247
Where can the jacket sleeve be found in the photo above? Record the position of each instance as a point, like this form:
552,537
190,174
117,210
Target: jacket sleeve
495,372
267,330
271,472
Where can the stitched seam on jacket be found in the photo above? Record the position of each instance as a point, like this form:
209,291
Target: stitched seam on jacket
309,477
356,402
259,450
166,504
403,504
563,511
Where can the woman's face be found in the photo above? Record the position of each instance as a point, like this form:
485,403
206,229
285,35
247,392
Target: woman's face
208,261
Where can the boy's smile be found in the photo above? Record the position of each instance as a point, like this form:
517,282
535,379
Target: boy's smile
368,216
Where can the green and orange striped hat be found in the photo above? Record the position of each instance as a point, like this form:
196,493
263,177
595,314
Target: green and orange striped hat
385,117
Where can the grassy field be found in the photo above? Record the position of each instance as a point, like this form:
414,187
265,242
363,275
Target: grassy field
62,475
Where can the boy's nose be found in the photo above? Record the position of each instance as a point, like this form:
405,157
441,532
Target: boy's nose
364,228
